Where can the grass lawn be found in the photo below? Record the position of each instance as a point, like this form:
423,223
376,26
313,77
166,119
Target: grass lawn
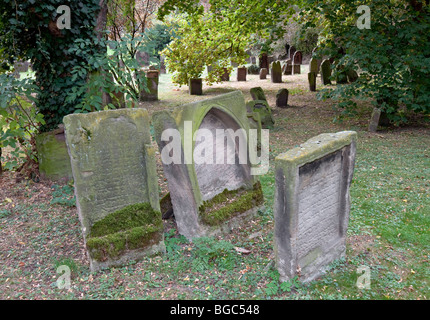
388,229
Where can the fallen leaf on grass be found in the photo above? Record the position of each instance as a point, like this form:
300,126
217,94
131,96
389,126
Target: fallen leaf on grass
242,250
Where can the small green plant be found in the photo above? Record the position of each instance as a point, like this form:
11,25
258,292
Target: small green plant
212,253
172,242
19,121
63,195
275,287
4,213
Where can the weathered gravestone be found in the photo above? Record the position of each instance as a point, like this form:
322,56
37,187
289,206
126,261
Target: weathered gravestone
312,79
54,160
257,93
276,72
326,72
152,76
253,60
298,57
115,177
312,204
282,98
211,182
195,86
241,74
263,73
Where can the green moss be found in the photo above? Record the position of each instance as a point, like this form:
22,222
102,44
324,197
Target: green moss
132,227
230,203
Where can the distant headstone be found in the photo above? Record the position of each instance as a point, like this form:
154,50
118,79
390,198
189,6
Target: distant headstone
257,93
313,65
276,72
226,75
312,79
282,98
195,86
298,57
312,204
263,73
263,61
352,75
152,77
241,74
116,189
326,72
253,60
378,118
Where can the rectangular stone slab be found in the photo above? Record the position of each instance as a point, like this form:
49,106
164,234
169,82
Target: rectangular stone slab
113,163
312,204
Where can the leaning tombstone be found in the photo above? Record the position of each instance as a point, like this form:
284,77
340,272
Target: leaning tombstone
263,73
312,204
378,118
212,184
115,177
282,98
257,93
326,72
276,73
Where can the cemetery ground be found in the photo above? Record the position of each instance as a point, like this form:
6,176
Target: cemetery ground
388,228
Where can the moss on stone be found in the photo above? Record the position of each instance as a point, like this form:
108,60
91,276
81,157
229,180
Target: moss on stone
230,203
132,227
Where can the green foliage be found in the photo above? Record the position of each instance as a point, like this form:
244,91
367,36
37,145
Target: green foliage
19,120
275,287
305,39
28,31
116,74
63,195
392,57
160,35
212,253
218,36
